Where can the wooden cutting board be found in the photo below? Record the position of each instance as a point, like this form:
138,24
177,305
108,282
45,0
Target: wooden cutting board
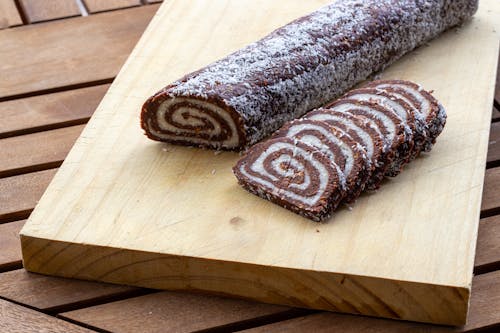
127,210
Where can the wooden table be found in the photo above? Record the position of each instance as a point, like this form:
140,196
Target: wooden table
56,63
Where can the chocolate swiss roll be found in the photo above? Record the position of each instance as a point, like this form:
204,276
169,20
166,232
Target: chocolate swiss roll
338,146
355,141
397,147
427,109
364,132
239,100
293,175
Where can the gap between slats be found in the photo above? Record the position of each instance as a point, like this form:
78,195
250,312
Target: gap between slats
52,295
78,43
20,194
138,308
232,327
17,318
10,15
49,111
57,89
491,199
49,10
36,152
55,296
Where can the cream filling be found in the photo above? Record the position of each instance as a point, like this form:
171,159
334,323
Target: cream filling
384,101
424,102
316,142
259,168
286,159
388,123
367,140
184,134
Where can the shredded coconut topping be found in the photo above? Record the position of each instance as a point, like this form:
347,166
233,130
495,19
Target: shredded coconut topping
314,59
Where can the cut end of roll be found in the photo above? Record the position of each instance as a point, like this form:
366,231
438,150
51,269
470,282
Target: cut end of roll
192,121
290,174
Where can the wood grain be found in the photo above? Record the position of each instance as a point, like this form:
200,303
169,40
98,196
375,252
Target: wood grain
226,242
488,245
485,302
15,318
45,112
494,144
52,294
179,312
10,245
37,151
9,16
487,252
38,11
69,52
19,194
95,6
491,199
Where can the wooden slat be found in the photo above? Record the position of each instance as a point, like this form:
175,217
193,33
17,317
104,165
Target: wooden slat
95,6
69,52
19,194
491,197
49,111
494,146
10,247
15,318
485,302
38,11
9,16
57,294
172,312
33,152
488,245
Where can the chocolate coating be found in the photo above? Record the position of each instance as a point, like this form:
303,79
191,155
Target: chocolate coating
299,67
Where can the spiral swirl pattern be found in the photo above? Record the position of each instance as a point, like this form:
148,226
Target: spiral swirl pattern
333,153
200,122
286,172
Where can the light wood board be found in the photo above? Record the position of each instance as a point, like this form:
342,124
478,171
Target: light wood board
127,210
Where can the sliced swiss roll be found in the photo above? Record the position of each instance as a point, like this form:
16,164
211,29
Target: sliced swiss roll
338,146
243,98
293,175
397,147
428,110
353,142
398,106
363,131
